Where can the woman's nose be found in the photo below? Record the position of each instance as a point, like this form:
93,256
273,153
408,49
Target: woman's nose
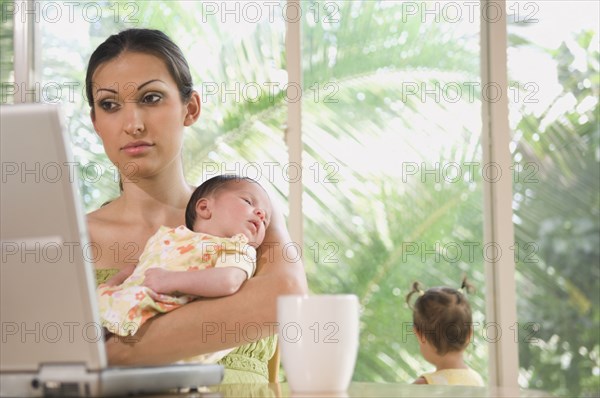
133,124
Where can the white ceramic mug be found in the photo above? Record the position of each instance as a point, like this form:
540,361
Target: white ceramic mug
318,336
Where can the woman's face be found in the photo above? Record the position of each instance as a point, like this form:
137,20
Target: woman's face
139,115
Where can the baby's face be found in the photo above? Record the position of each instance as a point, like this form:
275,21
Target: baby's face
242,207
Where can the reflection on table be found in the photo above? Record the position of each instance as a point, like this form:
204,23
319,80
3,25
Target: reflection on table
367,390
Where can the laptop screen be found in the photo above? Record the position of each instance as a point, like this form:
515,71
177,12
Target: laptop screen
48,306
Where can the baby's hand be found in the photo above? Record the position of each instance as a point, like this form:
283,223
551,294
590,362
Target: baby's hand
158,280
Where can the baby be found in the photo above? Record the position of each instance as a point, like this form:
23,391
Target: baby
442,323
211,256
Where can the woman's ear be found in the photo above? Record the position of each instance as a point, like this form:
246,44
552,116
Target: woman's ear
192,109
203,209
93,117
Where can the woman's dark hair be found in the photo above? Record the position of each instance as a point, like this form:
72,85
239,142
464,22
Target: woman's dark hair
145,41
206,189
443,316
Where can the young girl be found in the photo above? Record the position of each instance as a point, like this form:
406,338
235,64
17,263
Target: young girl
211,256
443,325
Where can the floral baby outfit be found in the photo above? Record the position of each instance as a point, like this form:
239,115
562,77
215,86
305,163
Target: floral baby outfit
124,308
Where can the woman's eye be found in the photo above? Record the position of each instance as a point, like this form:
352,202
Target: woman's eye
107,105
151,98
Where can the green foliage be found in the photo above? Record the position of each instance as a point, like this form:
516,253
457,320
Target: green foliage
557,200
386,229
6,55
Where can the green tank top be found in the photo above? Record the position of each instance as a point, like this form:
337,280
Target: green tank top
246,364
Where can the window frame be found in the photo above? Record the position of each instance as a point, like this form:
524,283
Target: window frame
500,284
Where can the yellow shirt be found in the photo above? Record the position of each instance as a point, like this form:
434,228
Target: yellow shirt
459,377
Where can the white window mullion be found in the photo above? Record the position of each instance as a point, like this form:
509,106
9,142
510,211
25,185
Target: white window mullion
501,309
293,132
25,26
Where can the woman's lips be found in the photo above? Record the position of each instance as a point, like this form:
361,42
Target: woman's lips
137,147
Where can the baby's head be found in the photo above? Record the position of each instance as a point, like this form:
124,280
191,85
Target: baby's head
227,205
442,316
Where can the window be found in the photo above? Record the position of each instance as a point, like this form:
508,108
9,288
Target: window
393,189
553,70
7,72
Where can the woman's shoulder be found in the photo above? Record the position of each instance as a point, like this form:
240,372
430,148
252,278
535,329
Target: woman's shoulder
114,242
106,220
103,215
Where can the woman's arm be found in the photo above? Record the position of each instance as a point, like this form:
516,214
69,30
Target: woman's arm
226,322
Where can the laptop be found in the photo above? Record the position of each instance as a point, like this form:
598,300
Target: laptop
52,342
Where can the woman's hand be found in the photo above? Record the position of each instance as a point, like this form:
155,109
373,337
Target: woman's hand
276,237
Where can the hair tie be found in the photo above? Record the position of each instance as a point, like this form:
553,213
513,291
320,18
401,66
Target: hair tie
465,286
416,289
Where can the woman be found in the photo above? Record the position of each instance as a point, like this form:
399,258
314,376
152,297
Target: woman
140,90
